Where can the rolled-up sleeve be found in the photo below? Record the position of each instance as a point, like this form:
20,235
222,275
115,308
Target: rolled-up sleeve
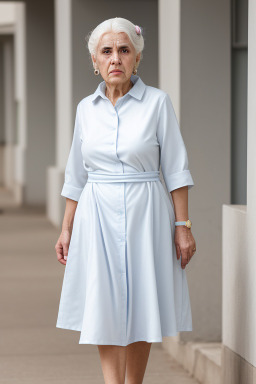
75,173
173,153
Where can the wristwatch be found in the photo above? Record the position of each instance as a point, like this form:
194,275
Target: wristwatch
187,223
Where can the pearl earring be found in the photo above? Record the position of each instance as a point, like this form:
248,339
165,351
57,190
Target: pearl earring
96,72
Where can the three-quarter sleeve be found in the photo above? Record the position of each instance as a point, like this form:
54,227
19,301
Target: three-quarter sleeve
75,173
173,153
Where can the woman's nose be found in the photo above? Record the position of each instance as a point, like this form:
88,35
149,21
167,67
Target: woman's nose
115,57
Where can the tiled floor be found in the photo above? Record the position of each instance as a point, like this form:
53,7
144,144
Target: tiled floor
32,349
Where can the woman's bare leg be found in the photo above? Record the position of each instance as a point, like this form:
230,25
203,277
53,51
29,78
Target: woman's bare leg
136,361
113,363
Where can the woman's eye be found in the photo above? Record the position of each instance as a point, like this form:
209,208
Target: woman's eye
123,50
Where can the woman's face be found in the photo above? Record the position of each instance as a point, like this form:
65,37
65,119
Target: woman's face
115,51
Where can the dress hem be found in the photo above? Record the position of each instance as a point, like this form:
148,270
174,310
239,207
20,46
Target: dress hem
148,340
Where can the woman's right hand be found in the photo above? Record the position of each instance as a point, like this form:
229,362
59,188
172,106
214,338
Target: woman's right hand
62,246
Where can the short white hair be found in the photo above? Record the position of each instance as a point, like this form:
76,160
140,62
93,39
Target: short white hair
116,24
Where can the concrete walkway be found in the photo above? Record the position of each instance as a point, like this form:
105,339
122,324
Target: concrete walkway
32,349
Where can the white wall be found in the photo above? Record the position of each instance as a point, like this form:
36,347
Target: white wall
9,114
12,31
239,246
1,93
249,318
20,99
1,114
7,13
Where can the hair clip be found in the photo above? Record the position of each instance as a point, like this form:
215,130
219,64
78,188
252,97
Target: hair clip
138,30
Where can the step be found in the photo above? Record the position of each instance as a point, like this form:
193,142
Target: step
201,360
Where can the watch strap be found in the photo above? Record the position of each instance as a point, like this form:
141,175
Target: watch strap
187,223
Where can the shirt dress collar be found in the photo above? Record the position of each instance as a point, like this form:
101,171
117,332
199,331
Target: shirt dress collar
136,91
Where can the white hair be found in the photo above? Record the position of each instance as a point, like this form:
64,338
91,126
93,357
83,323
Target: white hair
116,24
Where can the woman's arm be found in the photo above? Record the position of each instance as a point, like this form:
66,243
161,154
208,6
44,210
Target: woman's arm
176,174
74,183
69,214
63,242
180,201
184,240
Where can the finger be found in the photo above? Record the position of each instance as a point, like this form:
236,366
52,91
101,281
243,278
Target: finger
178,253
60,258
192,251
184,259
65,251
59,251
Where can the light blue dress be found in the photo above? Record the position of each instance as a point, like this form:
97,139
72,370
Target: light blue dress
122,281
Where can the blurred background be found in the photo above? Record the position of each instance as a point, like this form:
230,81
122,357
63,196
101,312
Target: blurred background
197,51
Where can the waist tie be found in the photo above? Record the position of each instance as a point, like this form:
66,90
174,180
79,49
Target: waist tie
114,177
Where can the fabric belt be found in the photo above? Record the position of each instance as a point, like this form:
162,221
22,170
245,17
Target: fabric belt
129,177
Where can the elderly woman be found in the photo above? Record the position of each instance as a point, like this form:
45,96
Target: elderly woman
124,241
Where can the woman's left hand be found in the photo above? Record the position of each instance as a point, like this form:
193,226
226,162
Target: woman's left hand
185,244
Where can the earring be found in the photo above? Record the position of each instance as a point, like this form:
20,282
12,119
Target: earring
134,71
96,72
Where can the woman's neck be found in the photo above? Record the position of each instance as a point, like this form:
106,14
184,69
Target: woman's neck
114,92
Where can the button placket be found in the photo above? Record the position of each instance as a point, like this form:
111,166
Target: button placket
116,138
122,240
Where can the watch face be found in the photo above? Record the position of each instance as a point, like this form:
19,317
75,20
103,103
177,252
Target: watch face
189,224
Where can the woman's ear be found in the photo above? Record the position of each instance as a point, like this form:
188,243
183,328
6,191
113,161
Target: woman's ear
93,58
138,57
